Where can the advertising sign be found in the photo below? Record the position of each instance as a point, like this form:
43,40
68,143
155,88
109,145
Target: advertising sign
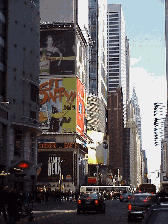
51,166
57,52
52,10
58,104
92,180
80,107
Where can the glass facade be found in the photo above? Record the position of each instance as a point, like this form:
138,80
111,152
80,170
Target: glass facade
93,68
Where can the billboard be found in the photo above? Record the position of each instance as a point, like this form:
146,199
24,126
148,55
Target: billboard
51,166
52,10
57,98
80,108
57,52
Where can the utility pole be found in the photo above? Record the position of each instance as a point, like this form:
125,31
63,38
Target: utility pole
97,172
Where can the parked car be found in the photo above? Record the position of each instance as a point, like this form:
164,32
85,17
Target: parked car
125,197
158,213
139,205
90,202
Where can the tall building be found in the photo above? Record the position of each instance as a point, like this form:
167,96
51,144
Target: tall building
166,40
97,98
19,74
4,107
98,63
115,131
126,157
134,124
127,54
64,84
116,58
93,68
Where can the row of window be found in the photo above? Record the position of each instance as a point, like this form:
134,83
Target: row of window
112,15
2,84
113,30
18,143
2,29
114,70
34,93
113,85
113,66
114,44
112,23
113,52
113,75
113,48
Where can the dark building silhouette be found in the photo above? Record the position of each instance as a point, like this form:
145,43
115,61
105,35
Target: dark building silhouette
126,157
115,128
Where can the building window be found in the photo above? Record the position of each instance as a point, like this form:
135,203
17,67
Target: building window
34,93
18,143
33,114
32,145
3,135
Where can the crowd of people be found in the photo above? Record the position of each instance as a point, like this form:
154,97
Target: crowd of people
12,200
56,196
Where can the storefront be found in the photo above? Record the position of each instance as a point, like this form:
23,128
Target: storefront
60,164
23,176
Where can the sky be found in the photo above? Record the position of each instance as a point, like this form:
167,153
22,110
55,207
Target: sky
145,29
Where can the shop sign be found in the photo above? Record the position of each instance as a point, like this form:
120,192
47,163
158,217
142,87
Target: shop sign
92,180
68,177
54,145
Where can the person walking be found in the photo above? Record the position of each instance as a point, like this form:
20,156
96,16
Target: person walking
13,211
3,202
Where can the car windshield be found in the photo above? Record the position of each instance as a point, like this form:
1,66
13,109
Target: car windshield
90,196
158,216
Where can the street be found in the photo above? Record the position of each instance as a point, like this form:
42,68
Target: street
65,213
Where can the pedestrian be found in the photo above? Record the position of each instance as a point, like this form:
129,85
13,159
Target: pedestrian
13,211
3,202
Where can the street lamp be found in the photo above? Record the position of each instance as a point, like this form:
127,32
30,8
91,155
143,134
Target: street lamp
61,172
97,166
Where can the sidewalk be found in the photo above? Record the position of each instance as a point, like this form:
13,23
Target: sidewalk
55,205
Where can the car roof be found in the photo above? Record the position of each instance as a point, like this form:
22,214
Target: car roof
143,194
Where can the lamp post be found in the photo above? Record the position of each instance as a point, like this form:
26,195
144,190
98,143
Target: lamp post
61,172
97,172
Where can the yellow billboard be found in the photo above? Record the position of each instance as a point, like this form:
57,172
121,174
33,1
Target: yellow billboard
57,98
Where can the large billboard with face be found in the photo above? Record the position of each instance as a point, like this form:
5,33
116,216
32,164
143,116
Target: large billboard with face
57,104
51,166
57,52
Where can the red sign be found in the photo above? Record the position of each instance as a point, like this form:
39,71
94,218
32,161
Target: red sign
23,165
92,180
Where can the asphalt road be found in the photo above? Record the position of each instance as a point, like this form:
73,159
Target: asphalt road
65,213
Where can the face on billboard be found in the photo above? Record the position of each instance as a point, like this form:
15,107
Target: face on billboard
58,104
57,52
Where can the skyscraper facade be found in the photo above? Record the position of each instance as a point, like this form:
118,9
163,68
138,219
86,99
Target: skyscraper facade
98,61
19,75
4,107
116,65
64,59
166,39
127,55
